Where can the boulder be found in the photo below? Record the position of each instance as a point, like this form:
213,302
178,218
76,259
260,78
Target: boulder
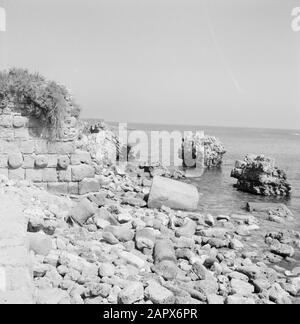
132,293
258,175
52,296
145,238
165,259
82,211
173,194
159,294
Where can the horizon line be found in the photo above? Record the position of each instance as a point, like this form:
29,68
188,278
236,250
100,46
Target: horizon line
192,125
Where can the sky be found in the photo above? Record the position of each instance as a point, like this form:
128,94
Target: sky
197,62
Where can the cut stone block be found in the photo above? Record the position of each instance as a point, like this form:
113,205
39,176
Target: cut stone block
58,187
18,174
81,157
64,175
73,188
173,194
61,147
52,160
80,172
50,175
26,147
28,161
40,147
21,133
34,175
88,185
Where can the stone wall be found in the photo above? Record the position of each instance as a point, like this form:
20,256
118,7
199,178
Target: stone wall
27,153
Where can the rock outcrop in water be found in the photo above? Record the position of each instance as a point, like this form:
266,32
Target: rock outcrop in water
258,175
213,152
199,151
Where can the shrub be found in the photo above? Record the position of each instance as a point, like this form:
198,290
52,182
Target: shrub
37,97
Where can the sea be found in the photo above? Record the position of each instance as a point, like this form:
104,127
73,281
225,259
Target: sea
216,186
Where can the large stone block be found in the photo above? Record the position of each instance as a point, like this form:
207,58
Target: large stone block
26,147
64,175
61,147
81,157
50,175
73,188
173,194
22,133
88,185
40,147
58,187
34,175
52,160
18,174
15,160
8,147
80,172
29,160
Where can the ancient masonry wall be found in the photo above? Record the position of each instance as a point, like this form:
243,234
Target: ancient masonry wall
25,154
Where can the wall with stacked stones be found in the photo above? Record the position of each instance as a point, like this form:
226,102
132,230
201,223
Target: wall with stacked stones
26,154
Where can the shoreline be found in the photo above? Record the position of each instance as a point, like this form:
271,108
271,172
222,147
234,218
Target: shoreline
114,256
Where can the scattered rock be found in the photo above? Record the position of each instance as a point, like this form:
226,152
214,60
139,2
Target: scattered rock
132,293
158,294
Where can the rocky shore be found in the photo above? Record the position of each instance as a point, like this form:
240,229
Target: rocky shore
109,247
127,233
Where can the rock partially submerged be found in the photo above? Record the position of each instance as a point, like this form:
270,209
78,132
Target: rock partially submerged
173,194
198,150
258,175
276,212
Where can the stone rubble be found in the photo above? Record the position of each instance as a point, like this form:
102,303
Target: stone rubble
106,250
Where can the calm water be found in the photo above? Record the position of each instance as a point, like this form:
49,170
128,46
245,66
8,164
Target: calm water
219,196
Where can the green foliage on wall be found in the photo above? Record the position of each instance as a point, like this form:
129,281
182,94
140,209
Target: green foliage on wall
38,97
